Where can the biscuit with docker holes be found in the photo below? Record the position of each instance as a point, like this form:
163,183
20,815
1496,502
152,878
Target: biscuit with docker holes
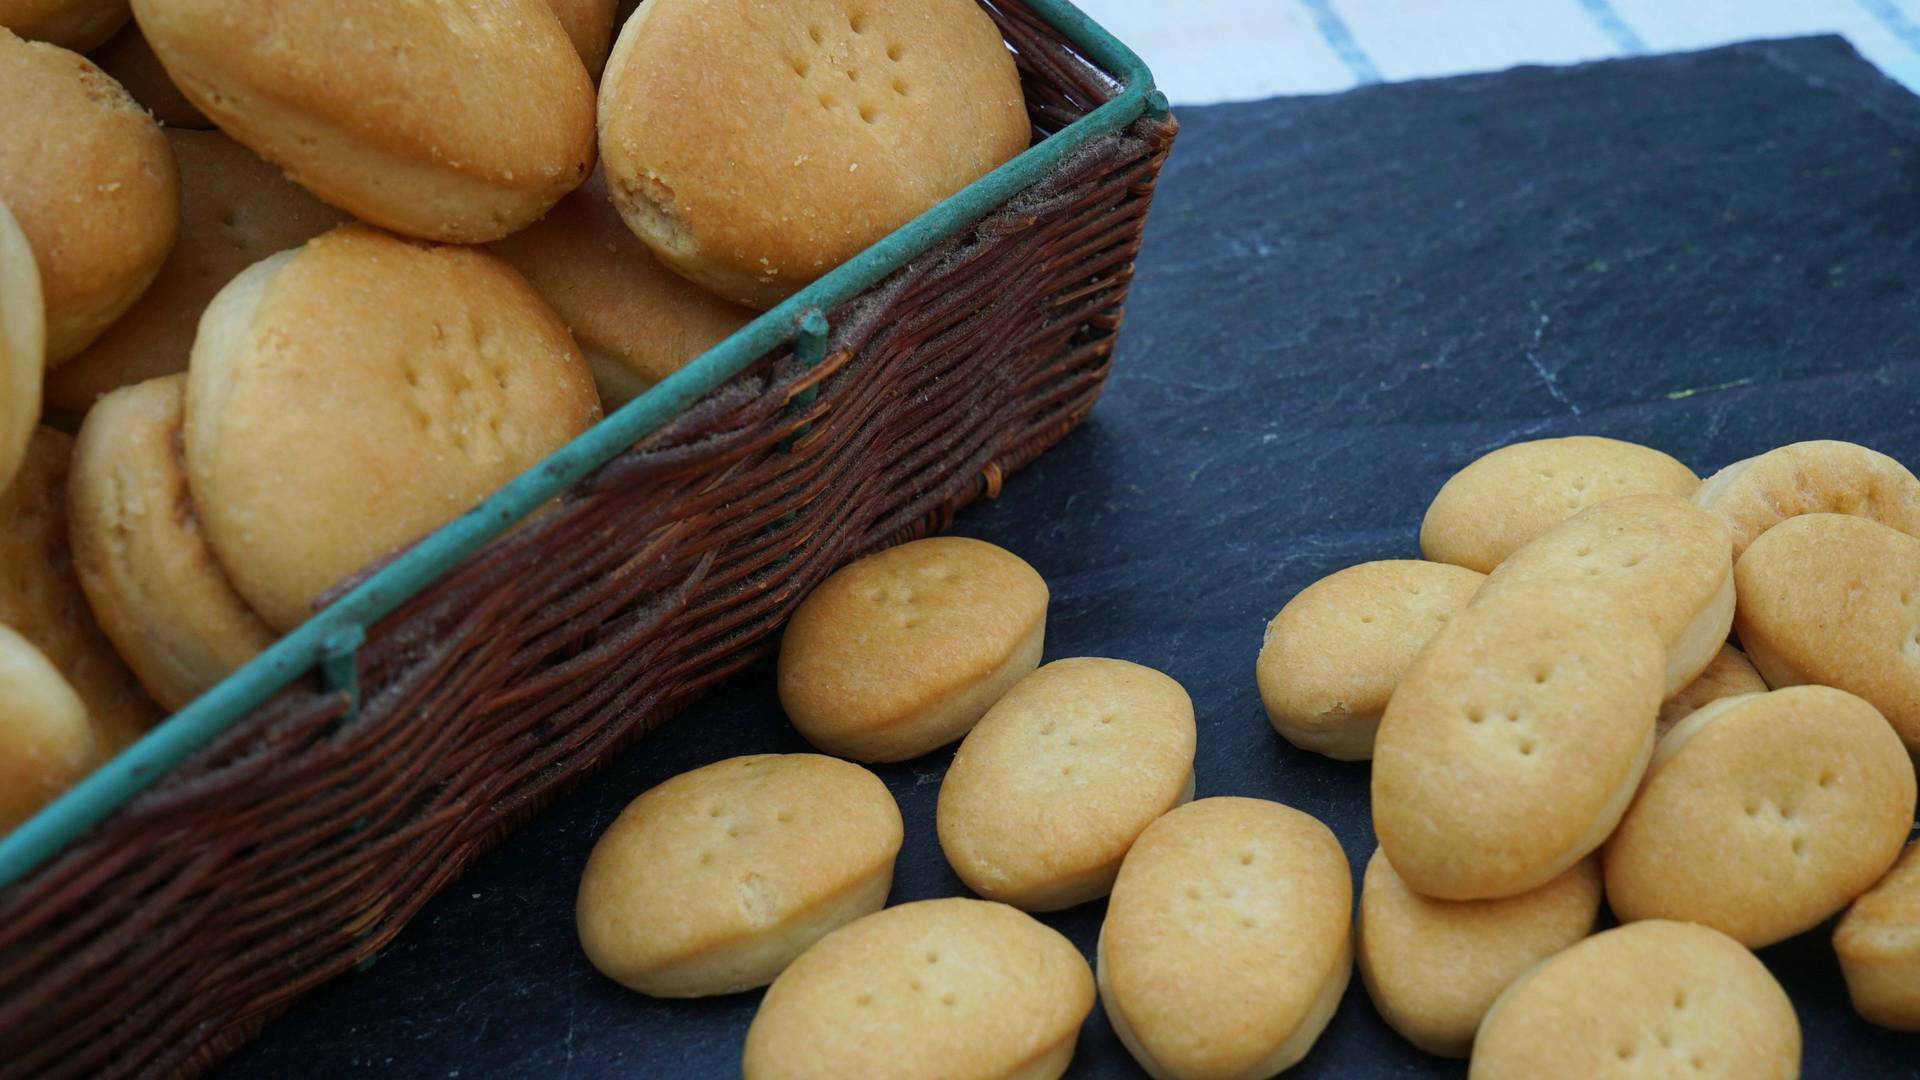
589,25
637,321
149,575
1226,944
1820,477
40,596
446,121
71,24
1516,740
45,742
1729,675
1053,785
903,651
713,881
1878,942
1763,815
92,183
1658,556
1507,497
1653,998
1331,658
842,124
445,376
936,988
235,210
23,345
130,60
1433,967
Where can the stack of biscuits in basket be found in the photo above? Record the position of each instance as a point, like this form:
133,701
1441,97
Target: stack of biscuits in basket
285,286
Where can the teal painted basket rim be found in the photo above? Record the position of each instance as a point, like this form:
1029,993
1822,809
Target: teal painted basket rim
328,639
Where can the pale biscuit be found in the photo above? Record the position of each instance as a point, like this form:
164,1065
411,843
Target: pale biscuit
1434,967
1730,674
350,396
45,743
443,120
71,24
23,345
713,881
1655,998
937,988
92,183
903,651
1763,815
589,25
40,596
1226,944
1658,556
1505,498
149,575
1820,477
1878,942
1514,743
1331,658
843,122
235,210
130,60
637,321
1053,785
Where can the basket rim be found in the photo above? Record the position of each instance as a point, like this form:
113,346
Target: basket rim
327,641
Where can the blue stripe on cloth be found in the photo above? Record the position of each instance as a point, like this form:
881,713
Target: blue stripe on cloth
1603,14
1890,16
1339,38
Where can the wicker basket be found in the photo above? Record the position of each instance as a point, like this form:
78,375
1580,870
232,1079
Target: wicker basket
285,827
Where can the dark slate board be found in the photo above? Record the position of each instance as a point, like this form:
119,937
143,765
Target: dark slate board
1343,300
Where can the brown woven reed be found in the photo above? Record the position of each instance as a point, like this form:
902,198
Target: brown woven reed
301,842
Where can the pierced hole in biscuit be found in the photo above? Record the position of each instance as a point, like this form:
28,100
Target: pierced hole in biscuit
1593,571
1366,618
1633,560
900,87
828,101
733,830
1248,923
1474,716
1666,1039
947,999
1826,779
706,857
1541,675
1583,553
1246,858
1046,728
1066,770
784,816
868,113
916,986
863,999
1679,999
801,67
229,218
932,957
1799,846
1752,810
1623,1052
713,811
894,51
1073,741
1193,893
813,32
1526,748
857,22
1107,719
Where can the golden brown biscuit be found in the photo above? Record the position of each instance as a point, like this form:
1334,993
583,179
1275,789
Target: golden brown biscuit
235,210
151,579
130,61
71,24
92,183
23,345
45,743
1331,658
1763,815
1820,477
1729,675
636,321
1052,786
1835,600
712,882
589,25
442,120
1515,742
1505,498
903,651
937,988
1434,967
1655,998
1878,942
444,376
843,123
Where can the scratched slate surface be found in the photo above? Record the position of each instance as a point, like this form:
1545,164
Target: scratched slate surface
1343,300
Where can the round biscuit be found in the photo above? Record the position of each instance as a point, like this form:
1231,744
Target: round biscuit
23,345
45,742
1824,476
1878,943
1730,674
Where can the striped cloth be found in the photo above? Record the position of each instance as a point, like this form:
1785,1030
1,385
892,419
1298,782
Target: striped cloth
1235,50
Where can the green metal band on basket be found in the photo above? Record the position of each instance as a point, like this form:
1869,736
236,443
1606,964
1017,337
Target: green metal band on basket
323,641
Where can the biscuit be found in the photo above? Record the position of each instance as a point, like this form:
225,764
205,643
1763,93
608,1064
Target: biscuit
1730,674
441,120
1763,815
1835,600
1434,967
1820,477
712,882
40,597
92,183
1657,556
636,321
71,24
1514,743
903,651
235,210
1052,786
1505,498
843,124
1651,999
1331,658
589,25
45,743
1878,942
149,575
1226,944
936,988
130,61
445,376
23,345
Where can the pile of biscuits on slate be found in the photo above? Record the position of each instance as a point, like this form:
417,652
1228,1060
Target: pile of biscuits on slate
1554,714
269,394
